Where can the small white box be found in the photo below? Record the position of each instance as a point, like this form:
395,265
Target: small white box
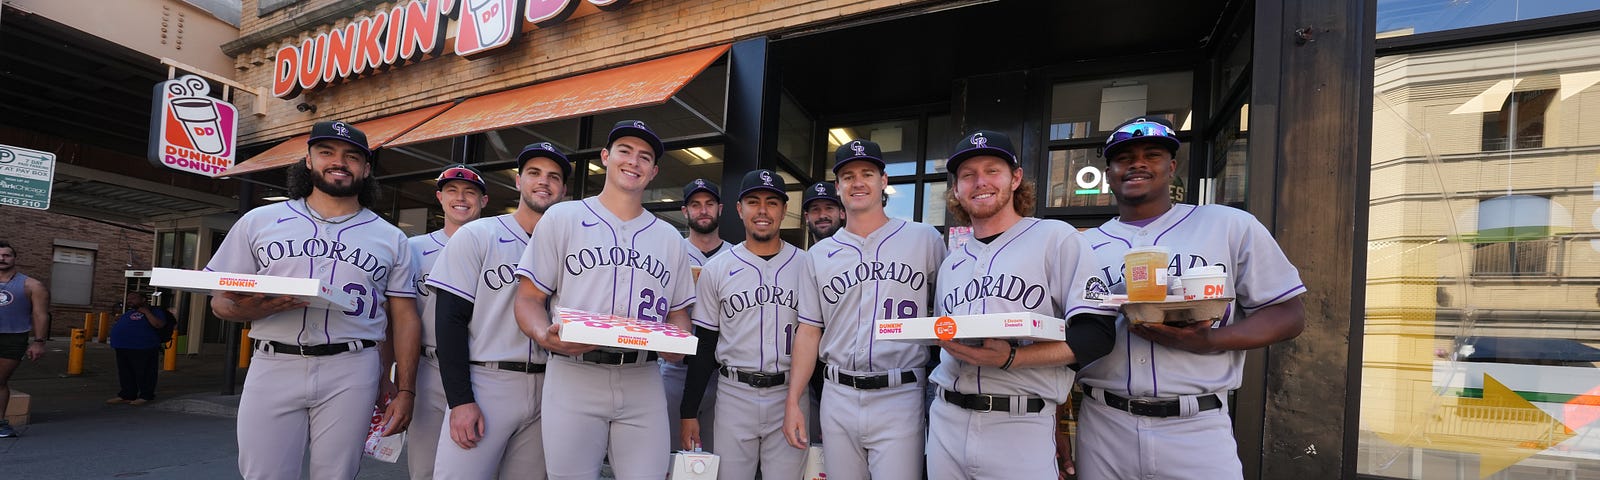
381,448
927,330
315,293
696,465
813,469
613,331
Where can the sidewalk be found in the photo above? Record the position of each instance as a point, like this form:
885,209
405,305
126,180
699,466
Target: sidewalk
187,433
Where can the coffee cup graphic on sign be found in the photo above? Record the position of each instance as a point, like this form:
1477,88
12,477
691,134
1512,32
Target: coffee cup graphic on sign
198,114
492,20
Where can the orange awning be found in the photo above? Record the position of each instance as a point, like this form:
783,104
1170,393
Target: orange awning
640,84
379,132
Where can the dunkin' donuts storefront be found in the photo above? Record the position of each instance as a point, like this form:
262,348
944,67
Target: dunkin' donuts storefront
734,85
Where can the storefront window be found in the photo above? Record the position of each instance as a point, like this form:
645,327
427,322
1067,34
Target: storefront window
1481,354
1406,17
1087,109
941,138
897,138
1229,180
794,133
1078,179
902,201
933,203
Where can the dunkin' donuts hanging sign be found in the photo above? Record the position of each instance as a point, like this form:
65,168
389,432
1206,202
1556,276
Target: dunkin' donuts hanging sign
189,130
407,32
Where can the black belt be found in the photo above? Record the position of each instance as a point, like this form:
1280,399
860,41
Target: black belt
311,350
990,403
513,366
754,379
613,358
430,352
1152,408
872,382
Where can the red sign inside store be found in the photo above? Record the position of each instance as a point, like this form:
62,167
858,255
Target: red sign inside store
407,32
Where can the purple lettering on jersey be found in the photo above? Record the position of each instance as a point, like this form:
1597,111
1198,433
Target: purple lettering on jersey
501,276
761,295
835,287
1007,287
319,248
619,257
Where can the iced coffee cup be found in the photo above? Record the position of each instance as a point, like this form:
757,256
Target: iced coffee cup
1146,273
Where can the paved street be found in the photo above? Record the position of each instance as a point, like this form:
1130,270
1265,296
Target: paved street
188,433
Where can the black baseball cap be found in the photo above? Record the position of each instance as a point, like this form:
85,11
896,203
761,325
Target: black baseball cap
982,142
857,150
635,128
1141,129
701,185
762,179
340,131
820,191
546,150
462,172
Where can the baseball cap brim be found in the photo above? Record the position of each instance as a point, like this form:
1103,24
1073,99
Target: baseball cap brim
769,188
699,189
364,149
954,162
875,160
532,153
1170,143
640,133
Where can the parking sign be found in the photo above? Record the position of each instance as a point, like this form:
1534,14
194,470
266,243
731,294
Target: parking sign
26,177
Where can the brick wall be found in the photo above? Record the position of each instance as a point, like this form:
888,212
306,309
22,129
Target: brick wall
641,30
34,233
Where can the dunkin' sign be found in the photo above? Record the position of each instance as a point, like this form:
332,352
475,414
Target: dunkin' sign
189,130
407,32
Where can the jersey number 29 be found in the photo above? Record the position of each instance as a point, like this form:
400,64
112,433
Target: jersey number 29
651,308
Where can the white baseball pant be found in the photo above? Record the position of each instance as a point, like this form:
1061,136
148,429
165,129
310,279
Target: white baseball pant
512,445
289,398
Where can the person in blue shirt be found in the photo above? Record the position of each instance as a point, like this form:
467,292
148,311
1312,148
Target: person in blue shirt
137,339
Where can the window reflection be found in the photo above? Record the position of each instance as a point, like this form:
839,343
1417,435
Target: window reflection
898,139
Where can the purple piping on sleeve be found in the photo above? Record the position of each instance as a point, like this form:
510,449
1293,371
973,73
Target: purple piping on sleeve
452,288
1297,288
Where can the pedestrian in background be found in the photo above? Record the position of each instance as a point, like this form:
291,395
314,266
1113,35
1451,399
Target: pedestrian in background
137,338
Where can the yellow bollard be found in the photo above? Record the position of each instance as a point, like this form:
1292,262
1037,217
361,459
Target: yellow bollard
89,325
75,354
244,348
105,327
169,360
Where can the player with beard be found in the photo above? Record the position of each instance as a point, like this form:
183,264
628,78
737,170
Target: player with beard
702,208
492,373
315,372
998,399
462,194
23,307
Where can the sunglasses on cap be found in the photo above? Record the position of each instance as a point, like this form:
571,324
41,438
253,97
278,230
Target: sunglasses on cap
459,173
1140,129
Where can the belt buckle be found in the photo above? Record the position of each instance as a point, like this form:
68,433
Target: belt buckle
1141,407
988,403
622,359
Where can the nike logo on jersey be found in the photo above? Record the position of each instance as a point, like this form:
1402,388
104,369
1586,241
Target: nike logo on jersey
285,219
507,240
429,252
832,253
588,224
736,271
958,264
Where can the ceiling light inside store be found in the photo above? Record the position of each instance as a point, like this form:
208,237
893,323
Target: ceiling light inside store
1186,119
699,154
596,168
837,137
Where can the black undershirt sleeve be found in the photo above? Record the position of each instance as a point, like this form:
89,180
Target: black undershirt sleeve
1090,337
701,366
452,315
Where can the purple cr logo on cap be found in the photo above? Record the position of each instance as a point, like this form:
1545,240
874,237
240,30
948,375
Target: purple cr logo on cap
821,190
978,141
858,148
639,125
699,182
766,178
547,146
341,128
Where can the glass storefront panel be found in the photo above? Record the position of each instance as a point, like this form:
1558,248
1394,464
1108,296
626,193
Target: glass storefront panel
1078,178
1481,354
902,201
1088,109
795,133
1407,17
897,138
933,202
941,138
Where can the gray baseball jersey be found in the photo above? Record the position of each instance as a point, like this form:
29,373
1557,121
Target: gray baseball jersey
479,265
422,437
698,258
887,274
1038,266
1197,236
426,247
362,255
753,303
587,258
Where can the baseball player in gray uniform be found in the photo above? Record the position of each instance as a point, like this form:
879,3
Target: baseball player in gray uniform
823,214
462,194
607,255
749,300
1000,395
702,206
876,267
315,374
1156,406
489,368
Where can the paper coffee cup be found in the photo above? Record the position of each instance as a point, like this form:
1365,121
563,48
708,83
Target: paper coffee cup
1203,283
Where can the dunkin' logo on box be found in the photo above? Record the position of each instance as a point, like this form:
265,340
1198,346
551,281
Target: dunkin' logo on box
891,328
944,328
632,340
236,282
